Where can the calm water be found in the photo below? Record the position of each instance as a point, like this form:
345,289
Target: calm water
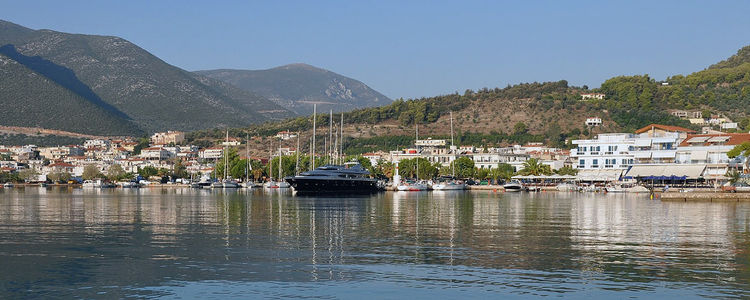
182,243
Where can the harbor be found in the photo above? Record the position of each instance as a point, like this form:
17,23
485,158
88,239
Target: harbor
273,242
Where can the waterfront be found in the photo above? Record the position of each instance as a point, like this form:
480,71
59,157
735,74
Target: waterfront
59,242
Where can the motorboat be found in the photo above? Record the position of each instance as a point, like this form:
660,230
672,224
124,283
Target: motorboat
413,186
349,178
449,185
626,188
513,186
90,184
8,185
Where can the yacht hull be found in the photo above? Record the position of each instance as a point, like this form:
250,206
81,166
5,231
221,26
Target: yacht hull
321,185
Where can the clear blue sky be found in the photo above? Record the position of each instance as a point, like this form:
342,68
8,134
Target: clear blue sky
418,48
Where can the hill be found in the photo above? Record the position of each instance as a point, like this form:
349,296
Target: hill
298,86
551,112
126,89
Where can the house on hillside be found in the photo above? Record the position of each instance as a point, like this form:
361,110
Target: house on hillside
589,96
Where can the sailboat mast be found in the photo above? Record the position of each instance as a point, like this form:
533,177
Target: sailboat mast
296,166
247,156
312,155
226,155
330,136
279,162
341,153
335,148
453,166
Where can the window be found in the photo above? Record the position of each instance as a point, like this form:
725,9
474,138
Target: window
612,148
595,163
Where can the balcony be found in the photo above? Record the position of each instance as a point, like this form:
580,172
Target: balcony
594,152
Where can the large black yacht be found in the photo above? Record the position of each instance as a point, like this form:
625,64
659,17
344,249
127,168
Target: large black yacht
348,179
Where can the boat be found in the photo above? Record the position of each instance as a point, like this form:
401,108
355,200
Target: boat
350,178
566,187
449,184
8,185
413,186
513,186
227,182
90,184
128,184
626,188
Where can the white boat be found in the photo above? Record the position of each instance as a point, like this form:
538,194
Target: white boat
566,187
449,186
90,184
8,185
413,186
128,184
226,184
513,186
276,185
626,188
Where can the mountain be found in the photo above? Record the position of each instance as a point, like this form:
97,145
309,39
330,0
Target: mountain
298,86
124,88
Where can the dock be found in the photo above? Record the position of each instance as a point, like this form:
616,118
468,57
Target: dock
717,196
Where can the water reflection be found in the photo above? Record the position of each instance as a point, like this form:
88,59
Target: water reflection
151,242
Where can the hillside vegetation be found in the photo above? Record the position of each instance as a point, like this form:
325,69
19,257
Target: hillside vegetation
550,112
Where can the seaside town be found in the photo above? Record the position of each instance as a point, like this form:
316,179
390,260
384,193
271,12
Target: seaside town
655,156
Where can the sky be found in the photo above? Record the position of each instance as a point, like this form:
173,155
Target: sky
412,49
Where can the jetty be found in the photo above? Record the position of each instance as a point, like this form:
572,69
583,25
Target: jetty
716,196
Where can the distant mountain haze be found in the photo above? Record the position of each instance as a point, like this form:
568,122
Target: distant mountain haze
298,86
49,78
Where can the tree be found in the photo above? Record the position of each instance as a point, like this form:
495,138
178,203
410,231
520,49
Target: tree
115,172
147,171
505,171
179,170
520,128
533,166
91,172
142,144
28,174
567,170
59,176
464,167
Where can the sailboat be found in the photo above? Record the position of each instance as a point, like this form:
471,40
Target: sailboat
226,182
416,185
451,184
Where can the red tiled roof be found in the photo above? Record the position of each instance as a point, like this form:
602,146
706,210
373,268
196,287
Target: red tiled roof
734,138
664,127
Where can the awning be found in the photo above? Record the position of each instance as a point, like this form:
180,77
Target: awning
598,175
662,171
664,154
717,139
642,142
698,139
698,155
642,154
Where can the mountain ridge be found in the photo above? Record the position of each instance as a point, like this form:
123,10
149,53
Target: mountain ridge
297,86
151,93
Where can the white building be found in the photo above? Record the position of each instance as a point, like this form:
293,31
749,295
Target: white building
211,153
285,135
711,151
594,121
597,96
